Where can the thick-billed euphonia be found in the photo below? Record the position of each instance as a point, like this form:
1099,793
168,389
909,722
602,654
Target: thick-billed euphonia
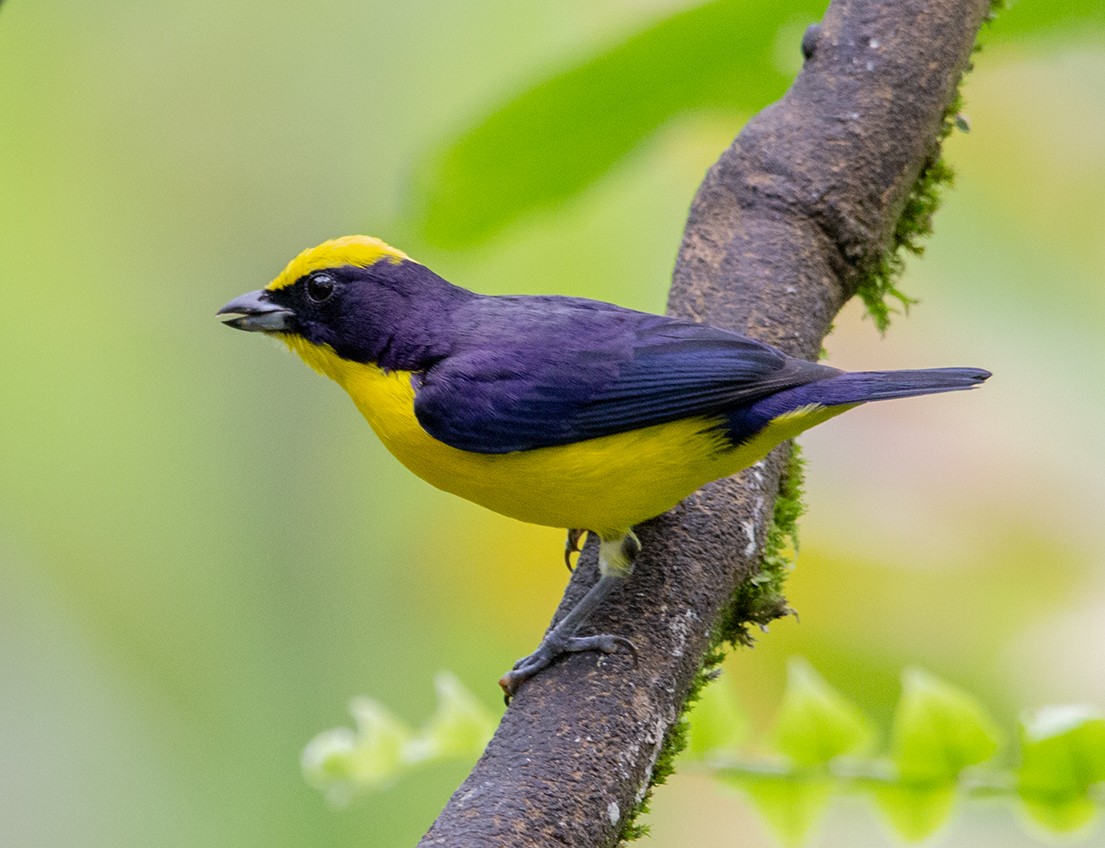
560,411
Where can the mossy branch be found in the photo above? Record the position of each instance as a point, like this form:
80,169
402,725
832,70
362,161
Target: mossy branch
794,219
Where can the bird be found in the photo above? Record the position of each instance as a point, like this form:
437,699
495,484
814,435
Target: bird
553,410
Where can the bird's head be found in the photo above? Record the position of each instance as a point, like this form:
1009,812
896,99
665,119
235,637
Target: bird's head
351,299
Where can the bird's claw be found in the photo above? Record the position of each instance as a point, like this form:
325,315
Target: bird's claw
572,545
550,649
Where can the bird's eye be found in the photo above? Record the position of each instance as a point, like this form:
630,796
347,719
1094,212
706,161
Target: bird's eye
320,287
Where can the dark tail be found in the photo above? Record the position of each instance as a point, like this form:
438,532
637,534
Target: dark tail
848,388
861,386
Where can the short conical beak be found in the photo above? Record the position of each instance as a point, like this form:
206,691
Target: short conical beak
256,313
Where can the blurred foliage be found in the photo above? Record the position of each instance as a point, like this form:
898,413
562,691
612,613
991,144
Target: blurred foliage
568,130
943,744
1061,778
344,763
203,552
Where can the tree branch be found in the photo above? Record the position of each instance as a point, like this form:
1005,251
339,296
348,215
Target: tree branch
787,224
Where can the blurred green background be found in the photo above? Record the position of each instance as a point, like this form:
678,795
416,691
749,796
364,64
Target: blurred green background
204,554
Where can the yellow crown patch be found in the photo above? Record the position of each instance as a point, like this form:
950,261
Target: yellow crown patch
361,251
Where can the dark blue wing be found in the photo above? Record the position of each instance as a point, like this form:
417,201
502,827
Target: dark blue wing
536,372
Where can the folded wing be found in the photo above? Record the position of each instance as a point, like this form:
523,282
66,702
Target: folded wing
537,372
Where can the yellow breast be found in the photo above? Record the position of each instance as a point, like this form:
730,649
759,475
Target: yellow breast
607,484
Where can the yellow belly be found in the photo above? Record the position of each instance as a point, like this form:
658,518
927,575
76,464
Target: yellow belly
606,485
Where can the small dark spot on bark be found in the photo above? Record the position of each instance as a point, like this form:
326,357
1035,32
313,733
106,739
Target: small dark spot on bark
809,40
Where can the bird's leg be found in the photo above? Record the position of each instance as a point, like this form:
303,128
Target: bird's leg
615,564
572,545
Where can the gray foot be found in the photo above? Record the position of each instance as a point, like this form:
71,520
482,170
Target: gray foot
553,647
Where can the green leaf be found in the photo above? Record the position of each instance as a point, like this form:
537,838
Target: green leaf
344,763
460,726
716,722
939,730
1062,757
553,140
915,812
790,805
816,723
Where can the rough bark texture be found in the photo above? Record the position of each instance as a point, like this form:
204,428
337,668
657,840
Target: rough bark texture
807,197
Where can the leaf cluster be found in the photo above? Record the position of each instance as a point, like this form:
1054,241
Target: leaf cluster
944,748
345,763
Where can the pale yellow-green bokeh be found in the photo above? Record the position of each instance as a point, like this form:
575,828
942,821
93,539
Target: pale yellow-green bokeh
204,554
